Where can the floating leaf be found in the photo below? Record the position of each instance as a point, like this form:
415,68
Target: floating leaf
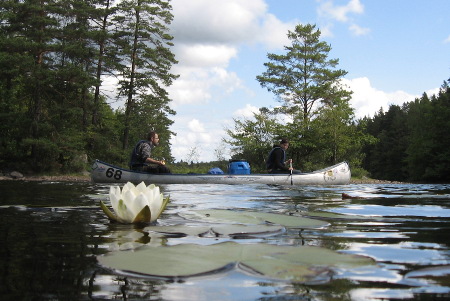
218,230
246,230
144,216
163,206
250,217
175,261
108,212
335,215
179,230
297,264
435,271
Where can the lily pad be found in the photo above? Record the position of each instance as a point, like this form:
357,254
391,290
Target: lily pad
250,217
218,230
297,264
435,271
247,230
436,275
179,230
335,215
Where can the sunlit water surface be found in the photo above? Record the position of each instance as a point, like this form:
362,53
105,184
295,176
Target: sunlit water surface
52,233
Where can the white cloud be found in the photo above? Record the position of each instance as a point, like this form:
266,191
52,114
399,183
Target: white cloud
358,31
340,12
246,112
205,55
193,135
207,36
273,32
447,40
325,30
196,126
196,85
367,100
216,21
329,12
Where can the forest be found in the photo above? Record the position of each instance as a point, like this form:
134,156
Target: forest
66,63
57,58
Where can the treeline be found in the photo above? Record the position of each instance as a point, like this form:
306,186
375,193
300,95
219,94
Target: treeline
55,56
412,140
409,143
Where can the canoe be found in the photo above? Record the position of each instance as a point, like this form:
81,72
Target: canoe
338,174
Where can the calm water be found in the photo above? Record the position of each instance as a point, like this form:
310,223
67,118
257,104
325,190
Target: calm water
52,233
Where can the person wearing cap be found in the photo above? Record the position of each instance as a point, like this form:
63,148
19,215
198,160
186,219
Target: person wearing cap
141,160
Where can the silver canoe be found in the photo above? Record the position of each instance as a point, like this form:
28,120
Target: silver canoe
338,174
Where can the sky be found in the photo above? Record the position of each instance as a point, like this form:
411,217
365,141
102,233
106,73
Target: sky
393,51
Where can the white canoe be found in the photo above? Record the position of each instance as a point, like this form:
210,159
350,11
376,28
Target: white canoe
338,174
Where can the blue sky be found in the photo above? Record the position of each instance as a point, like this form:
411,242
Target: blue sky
393,51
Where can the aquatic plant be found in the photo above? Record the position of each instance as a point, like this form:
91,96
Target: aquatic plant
135,204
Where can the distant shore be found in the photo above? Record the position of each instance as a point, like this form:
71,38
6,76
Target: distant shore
57,178
87,178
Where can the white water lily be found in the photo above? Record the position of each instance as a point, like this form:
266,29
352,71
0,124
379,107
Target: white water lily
135,204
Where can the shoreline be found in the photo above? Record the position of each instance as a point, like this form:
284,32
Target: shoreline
60,178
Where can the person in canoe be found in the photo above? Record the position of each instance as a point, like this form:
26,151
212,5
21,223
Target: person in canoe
276,161
141,159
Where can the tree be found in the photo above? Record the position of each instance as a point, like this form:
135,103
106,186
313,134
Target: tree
220,152
304,76
145,52
336,134
53,55
105,59
251,139
308,86
193,154
428,154
28,49
386,158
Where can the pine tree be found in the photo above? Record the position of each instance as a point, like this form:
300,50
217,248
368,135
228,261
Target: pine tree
145,53
305,82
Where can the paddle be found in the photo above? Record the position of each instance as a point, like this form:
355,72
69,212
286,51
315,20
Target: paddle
290,165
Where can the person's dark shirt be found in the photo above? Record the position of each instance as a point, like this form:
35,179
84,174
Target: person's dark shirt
276,159
140,153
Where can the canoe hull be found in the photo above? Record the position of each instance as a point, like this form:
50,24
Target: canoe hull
338,174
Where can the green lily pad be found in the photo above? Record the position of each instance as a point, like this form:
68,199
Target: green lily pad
250,217
108,212
179,230
218,230
247,230
335,215
297,264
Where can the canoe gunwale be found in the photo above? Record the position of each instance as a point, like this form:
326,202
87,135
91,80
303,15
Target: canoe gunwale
338,174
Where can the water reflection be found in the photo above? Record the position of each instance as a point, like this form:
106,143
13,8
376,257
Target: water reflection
52,233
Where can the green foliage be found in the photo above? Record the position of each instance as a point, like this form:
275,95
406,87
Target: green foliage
386,158
146,57
412,141
315,114
304,76
53,55
200,168
251,139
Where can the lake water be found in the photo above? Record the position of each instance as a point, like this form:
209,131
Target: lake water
51,235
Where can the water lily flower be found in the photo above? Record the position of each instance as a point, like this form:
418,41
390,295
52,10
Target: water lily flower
135,204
